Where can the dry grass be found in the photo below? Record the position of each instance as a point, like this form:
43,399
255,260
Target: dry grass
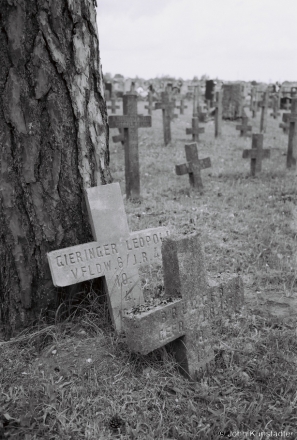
76,379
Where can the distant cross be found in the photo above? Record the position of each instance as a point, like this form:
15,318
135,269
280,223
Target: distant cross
264,105
275,104
244,127
167,106
182,106
287,105
218,113
113,107
193,307
256,154
292,143
193,166
116,254
149,107
195,130
253,102
285,124
130,121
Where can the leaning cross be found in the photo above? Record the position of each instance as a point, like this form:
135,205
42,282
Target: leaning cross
256,154
167,106
244,127
130,121
191,310
292,143
113,107
195,130
193,166
116,254
264,105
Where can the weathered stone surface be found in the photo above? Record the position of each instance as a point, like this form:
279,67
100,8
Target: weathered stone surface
194,306
116,254
193,166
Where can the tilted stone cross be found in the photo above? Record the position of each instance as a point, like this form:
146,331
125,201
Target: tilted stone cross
285,124
182,106
193,166
167,105
113,107
244,127
130,121
192,310
149,107
292,142
195,130
218,118
116,254
264,105
256,154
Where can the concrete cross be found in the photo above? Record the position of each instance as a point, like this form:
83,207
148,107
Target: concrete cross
149,107
244,127
185,322
218,113
264,106
116,254
195,130
193,166
292,142
182,106
130,121
167,105
113,107
256,154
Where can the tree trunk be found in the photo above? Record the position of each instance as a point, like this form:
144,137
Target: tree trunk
54,143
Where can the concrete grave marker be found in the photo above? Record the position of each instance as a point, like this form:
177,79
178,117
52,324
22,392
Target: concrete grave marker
182,106
218,118
256,154
244,127
253,102
287,105
149,107
130,121
292,142
116,254
193,166
264,106
113,107
275,106
285,124
195,130
193,307
167,105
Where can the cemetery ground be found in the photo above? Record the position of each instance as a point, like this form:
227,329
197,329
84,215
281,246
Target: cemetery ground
76,379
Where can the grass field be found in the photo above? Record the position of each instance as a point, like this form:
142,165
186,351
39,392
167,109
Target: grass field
76,379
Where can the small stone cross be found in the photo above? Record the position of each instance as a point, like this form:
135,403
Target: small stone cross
182,106
285,124
193,166
256,154
244,127
167,105
264,105
113,107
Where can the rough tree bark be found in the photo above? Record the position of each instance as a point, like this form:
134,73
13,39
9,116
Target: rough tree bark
53,140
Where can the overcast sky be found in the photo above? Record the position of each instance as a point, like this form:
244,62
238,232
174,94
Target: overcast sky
228,39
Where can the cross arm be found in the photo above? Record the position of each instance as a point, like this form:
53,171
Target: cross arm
252,154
